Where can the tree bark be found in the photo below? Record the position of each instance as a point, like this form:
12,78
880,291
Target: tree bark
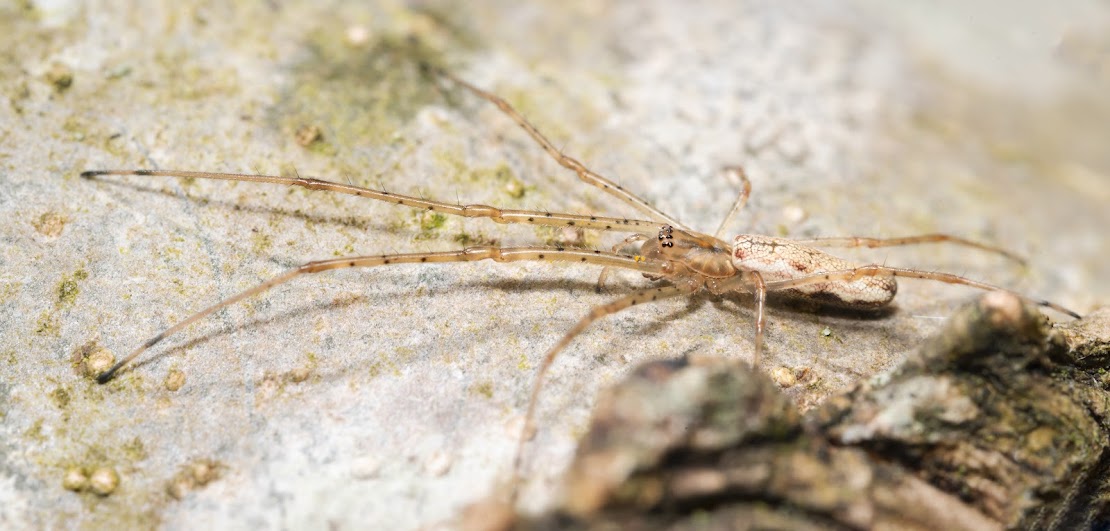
1000,421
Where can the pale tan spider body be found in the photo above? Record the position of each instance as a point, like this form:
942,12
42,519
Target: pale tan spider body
780,259
695,260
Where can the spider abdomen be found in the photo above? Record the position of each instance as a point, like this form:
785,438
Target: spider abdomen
779,259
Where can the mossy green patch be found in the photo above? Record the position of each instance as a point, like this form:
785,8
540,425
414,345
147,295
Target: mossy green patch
47,324
35,433
50,224
361,95
8,290
261,243
67,292
346,250
430,223
483,388
68,288
60,397
467,239
134,449
185,79
500,178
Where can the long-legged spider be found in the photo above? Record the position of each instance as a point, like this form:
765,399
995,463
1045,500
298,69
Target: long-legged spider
681,259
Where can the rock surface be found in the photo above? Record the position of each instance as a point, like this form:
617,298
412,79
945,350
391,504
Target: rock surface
393,396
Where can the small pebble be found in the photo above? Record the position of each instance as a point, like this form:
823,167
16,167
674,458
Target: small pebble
438,464
307,134
98,362
75,479
204,472
175,379
179,486
104,481
299,374
59,75
50,224
784,377
196,474
515,188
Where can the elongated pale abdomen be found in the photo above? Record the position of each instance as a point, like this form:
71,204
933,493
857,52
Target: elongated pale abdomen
779,259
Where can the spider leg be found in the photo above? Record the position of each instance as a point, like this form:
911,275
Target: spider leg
616,248
755,280
499,215
470,254
628,301
748,281
584,173
741,198
852,241
847,275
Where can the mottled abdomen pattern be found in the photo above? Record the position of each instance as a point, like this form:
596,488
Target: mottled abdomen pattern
779,259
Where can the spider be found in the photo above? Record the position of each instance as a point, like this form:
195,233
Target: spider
679,259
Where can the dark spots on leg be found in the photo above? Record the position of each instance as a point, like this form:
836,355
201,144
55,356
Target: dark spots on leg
351,263
423,258
531,219
541,257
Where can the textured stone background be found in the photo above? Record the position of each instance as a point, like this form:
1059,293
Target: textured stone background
852,119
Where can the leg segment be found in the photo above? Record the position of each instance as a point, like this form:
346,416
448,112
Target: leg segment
596,313
584,173
852,241
616,248
759,287
500,215
741,199
848,275
470,254
747,282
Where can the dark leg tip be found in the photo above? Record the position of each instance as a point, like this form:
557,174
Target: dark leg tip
107,375
90,174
